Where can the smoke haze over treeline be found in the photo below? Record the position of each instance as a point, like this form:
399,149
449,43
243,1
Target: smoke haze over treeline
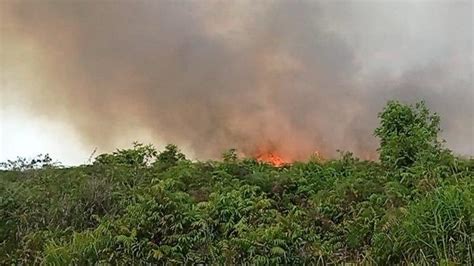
290,76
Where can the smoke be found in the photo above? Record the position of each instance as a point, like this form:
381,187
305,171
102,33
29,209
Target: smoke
292,77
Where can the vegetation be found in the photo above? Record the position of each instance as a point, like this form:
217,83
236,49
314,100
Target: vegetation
139,206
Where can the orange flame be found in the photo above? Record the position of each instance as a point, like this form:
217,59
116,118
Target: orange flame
272,158
277,156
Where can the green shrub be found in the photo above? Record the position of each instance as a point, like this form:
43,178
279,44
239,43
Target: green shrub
407,133
141,206
437,228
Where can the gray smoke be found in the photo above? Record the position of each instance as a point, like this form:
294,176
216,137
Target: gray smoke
292,77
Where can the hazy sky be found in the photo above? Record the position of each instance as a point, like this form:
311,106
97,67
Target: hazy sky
289,76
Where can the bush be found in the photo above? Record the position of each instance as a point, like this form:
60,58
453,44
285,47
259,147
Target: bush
437,228
141,206
407,133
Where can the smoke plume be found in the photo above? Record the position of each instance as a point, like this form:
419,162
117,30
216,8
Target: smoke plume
292,77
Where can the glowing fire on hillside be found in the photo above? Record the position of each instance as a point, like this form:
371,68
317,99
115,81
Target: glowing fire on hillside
272,158
279,154
276,158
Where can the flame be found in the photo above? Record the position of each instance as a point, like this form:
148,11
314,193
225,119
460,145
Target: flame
278,156
272,158
276,159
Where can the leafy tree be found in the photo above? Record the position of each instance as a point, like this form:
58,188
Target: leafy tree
139,156
407,133
171,155
22,163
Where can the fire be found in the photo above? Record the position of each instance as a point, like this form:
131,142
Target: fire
277,156
272,158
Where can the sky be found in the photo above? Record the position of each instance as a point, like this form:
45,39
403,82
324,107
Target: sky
291,77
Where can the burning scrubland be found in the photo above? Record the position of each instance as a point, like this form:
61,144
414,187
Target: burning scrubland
144,206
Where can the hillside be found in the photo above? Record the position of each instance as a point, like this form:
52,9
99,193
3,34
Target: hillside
140,205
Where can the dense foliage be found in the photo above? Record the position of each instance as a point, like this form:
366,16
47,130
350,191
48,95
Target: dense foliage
140,206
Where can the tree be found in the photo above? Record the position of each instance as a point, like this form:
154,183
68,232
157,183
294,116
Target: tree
407,133
139,156
171,155
38,162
